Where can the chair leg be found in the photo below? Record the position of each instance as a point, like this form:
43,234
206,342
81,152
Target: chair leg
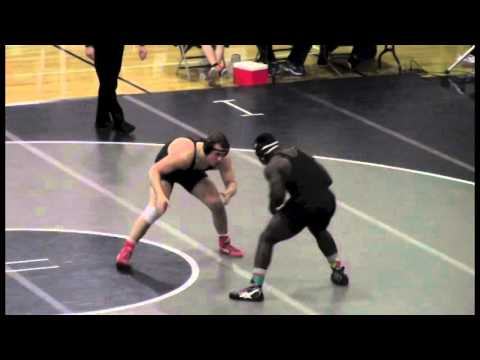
184,60
389,48
460,59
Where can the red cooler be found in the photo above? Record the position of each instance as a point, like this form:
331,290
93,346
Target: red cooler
247,73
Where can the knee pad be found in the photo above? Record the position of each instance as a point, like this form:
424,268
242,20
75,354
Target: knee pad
150,214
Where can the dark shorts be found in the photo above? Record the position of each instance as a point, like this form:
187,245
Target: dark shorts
299,216
187,178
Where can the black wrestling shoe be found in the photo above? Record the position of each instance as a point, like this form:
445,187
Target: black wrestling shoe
252,293
339,277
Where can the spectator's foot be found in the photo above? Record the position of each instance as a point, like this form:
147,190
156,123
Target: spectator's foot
295,70
212,76
124,127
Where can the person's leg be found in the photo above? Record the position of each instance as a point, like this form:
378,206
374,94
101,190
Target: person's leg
219,55
209,53
116,111
299,53
141,226
115,67
283,225
103,101
326,243
108,61
144,221
215,67
206,191
280,228
296,59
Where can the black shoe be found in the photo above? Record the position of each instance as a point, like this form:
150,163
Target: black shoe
339,277
295,70
124,127
103,124
251,293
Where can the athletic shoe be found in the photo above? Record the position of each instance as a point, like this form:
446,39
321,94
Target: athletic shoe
338,276
123,257
296,70
252,293
212,76
225,247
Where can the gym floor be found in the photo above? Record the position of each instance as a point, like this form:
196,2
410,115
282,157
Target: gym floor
400,149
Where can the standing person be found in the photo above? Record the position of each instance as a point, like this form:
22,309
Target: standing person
108,62
311,204
185,161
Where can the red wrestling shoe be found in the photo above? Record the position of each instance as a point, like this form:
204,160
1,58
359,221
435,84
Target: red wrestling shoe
225,247
123,257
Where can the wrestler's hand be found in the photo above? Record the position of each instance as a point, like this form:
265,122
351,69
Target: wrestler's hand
226,196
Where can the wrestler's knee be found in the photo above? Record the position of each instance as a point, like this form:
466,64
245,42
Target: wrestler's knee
214,203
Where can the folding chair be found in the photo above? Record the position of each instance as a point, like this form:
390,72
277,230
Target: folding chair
460,59
335,60
259,55
185,59
389,48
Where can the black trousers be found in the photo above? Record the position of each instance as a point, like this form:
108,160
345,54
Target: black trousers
297,55
108,62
